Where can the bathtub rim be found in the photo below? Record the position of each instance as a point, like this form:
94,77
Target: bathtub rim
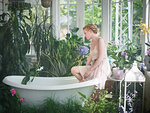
7,81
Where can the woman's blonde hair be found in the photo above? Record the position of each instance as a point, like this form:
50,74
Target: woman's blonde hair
93,27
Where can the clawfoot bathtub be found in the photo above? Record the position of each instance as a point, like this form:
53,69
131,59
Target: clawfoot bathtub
58,88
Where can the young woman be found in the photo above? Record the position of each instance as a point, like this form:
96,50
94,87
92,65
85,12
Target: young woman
97,65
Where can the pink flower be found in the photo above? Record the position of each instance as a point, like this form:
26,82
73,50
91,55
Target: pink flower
13,92
22,99
139,47
148,52
124,54
112,42
135,92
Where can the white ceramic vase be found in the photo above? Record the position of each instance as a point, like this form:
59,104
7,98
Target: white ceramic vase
118,74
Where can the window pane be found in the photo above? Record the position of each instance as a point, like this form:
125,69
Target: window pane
119,1
88,1
88,14
114,14
98,15
67,19
72,16
63,1
63,21
120,21
63,10
63,31
97,1
93,14
137,17
73,1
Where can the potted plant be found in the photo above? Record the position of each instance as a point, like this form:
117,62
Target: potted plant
123,56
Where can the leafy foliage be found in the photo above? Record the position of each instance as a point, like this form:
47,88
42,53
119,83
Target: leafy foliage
41,36
52,106
14,42
101,106
8,103
121,60
32,72
59,60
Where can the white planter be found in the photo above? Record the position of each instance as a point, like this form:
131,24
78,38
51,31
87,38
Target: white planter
118,74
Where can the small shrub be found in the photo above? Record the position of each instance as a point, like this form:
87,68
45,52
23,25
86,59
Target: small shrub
103,105
53,106
8,101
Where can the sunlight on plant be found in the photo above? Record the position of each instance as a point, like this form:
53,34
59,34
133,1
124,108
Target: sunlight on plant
144,28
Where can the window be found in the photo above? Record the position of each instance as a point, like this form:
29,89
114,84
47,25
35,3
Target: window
126,16
93,12
3,8
39,15
77,13
68,16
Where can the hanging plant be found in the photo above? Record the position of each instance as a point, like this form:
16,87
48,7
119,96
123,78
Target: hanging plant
46,3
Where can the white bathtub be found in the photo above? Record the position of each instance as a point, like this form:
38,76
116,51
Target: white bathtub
58,88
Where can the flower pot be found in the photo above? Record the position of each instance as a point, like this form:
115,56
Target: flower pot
118,74
46,3
147,62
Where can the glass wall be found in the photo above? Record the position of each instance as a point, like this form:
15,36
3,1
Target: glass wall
93,12
126,17
68,16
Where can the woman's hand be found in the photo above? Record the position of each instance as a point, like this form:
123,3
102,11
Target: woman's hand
87,74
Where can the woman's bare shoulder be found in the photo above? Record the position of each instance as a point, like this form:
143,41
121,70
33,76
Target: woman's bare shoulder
101,40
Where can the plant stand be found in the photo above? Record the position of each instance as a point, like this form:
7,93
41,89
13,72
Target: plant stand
120,88
134,75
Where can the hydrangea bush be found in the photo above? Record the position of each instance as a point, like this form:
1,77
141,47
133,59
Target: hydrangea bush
83,50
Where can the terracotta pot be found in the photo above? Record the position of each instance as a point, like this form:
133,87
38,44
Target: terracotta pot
146,61
46,3
118,74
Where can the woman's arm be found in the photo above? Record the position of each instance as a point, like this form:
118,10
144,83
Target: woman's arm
101,52
89,59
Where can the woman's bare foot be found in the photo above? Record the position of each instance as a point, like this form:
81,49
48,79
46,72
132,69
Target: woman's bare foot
81,80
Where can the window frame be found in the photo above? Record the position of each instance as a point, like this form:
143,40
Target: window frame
80,18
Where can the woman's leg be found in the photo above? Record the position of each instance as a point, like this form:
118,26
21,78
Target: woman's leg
75,71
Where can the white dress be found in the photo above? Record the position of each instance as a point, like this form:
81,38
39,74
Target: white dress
101,72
